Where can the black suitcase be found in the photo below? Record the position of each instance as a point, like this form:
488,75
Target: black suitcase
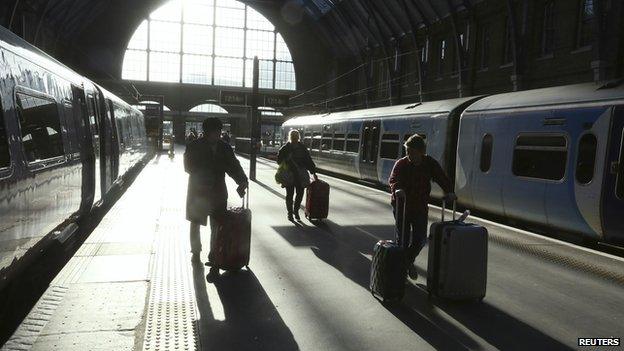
388,269
457,262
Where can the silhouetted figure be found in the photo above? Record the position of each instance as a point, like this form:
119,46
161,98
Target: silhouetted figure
299,162
192,135
207,160
410,181
225,136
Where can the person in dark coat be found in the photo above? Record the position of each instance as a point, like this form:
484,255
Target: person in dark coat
207,160
410,183
297,156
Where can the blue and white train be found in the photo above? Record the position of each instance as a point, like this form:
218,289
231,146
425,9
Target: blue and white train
552,157
64,144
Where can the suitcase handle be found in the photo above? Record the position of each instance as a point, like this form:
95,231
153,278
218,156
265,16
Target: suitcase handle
245,199
402,238
444,208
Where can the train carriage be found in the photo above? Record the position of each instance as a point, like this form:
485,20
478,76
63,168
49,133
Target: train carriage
548,156
59,150
364,144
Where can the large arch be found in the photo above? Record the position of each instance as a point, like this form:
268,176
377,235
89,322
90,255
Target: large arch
180,45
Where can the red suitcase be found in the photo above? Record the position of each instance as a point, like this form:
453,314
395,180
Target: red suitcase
317,200
232,244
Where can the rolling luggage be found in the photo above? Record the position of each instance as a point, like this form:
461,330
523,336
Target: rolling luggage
232,243
389,269
317,200
457,262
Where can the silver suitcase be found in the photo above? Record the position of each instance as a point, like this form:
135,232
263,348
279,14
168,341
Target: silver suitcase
457,262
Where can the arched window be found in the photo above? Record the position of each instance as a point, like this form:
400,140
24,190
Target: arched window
208,42
208,108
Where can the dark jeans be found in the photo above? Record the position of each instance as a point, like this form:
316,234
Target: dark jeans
290,191
415,233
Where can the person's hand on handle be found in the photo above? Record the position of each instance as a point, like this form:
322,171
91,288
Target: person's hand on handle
241,189
400,194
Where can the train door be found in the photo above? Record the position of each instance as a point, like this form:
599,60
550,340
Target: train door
81,124
369,150
613,184
94,130
110,114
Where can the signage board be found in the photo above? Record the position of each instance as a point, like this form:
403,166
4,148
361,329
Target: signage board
232,98
276,100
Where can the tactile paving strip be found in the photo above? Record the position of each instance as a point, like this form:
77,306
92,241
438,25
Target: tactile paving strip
172,310
28,332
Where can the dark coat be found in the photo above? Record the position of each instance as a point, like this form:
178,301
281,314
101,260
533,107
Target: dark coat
297,156
207,192
416,181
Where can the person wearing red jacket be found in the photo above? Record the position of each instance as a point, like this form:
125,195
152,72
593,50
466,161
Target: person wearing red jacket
410,184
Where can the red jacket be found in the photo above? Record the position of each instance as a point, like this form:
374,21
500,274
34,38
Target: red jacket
415,180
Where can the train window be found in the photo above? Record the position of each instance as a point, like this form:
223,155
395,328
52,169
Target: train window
389,146
316,141
619,188
353,143
307,140
586,159
5,155
540,156
339,142
326,143
486,152
41,127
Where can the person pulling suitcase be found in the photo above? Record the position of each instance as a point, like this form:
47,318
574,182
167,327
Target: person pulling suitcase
410,181
207,160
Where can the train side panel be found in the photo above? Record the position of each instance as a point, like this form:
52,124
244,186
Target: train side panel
44,186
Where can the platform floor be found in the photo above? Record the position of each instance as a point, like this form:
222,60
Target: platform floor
132,286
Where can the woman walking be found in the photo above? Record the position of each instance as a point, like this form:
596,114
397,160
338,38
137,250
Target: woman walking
299,162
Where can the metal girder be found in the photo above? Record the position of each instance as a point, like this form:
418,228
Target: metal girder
416,5
379,21
40,21
417,47
389,18
10,24
358,14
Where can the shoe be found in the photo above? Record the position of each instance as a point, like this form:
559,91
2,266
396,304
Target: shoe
213,274
297,216
290,217
411,272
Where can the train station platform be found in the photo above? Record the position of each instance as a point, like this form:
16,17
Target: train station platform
132,286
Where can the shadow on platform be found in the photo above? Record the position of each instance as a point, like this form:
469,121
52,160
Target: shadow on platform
344,248
251,320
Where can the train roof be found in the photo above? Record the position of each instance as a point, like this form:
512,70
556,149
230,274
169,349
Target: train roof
429,108
22,48
562,95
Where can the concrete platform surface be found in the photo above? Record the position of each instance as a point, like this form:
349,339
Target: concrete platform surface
132,286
